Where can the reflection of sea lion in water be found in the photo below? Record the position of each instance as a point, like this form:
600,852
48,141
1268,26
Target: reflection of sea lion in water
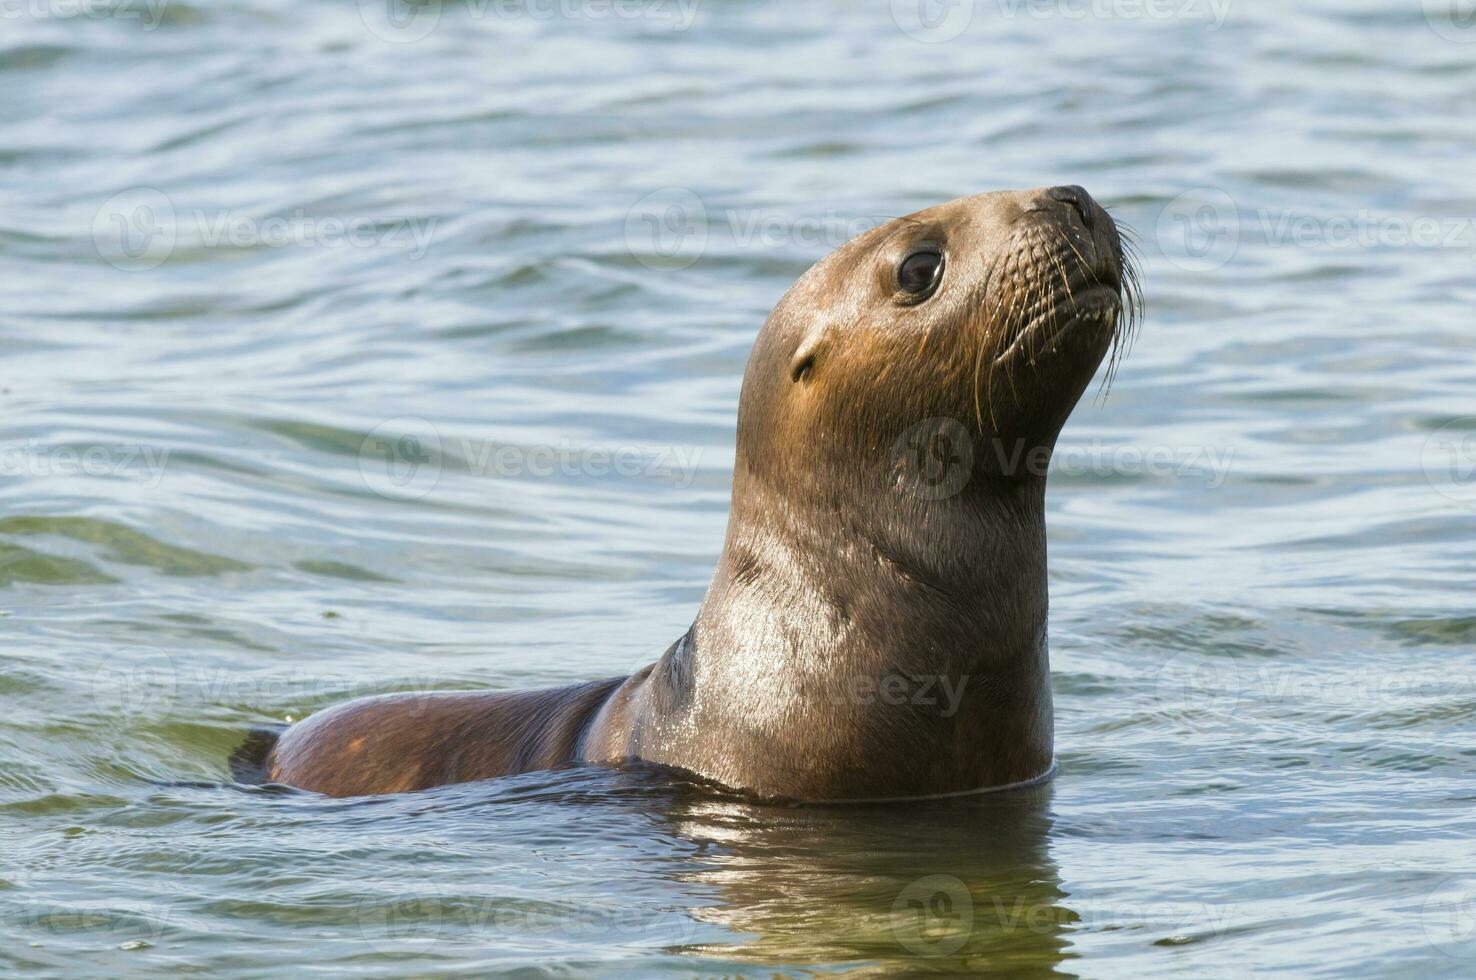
955,887
876,627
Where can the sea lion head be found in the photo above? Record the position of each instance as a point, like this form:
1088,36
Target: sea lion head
982,319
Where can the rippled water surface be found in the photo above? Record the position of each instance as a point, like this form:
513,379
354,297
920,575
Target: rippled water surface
345,353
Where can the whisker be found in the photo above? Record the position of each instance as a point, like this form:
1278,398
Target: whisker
1130,315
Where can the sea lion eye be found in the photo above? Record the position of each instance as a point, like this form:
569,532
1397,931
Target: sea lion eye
920,272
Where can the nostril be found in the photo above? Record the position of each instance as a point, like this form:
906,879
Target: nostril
1078,198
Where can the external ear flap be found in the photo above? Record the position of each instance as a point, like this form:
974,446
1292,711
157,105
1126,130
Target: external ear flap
802,364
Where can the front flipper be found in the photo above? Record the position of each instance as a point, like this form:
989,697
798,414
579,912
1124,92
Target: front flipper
399,743
248,763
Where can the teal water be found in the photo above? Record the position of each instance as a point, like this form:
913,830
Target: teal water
348,349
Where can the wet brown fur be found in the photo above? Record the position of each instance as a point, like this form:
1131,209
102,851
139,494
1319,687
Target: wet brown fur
840,571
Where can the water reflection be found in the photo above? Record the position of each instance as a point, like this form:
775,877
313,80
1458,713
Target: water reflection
951,886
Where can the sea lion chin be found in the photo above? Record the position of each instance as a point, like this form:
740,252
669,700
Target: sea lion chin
876,625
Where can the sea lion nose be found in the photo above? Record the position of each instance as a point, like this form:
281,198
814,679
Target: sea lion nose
1077,197
1091,234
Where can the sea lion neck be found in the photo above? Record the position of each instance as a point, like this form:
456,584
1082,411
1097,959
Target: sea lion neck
967,571
838,657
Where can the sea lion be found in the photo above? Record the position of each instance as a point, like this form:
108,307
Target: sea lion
876,626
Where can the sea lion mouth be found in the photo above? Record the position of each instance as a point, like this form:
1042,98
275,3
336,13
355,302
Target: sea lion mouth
1065,294
1111,277
1097,304
1056,294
